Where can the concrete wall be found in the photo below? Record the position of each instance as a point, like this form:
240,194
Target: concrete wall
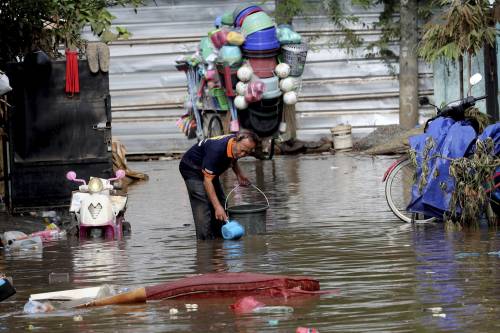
339,86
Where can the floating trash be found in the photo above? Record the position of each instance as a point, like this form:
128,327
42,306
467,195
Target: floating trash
466,255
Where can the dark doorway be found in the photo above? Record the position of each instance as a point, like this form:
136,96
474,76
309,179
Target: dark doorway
50,133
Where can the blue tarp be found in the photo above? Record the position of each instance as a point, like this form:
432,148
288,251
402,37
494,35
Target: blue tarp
452,139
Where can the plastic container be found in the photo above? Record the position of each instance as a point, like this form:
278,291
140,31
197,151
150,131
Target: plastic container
272,87
48,235
273,309
232,230
227,18
239,9
255,22
30,243
263,67
228,78
9,237
218,37
252,217
262,40
6,289
206,47
238,21
264,121
262,53
230,55
342,139
295,55
220,95
234,126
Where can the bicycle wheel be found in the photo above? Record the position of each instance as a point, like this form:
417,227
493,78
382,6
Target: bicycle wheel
213,125
398,192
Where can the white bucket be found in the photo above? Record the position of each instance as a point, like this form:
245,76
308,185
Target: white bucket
342,139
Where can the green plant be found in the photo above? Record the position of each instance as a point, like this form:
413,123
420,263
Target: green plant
286,10
461,27
26,25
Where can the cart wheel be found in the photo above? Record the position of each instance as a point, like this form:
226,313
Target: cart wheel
213,125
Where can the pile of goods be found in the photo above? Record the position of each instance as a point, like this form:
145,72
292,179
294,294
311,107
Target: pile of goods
248,66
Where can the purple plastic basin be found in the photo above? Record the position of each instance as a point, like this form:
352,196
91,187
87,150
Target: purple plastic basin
245,12
262,40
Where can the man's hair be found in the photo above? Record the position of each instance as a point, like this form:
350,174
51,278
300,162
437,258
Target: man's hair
245,134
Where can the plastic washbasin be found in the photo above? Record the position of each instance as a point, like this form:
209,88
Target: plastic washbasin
255,22
262,40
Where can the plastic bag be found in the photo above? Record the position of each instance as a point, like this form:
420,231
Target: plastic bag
37,307
255,90
9,237
286,35
30,243
246,305
4,84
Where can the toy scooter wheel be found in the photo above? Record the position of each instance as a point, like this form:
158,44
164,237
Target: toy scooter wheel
126,228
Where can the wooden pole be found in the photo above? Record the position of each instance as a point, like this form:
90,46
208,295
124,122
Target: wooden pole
289,112
408,65
134,296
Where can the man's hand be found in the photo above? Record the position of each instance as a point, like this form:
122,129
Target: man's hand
243,181
220,214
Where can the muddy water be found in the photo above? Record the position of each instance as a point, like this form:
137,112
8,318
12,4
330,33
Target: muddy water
328,219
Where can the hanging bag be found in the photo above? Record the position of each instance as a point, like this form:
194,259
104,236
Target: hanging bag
4,84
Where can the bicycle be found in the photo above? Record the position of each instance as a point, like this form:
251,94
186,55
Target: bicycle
400,176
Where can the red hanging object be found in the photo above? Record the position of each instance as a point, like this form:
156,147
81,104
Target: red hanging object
72,80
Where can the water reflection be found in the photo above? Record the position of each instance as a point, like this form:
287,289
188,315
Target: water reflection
328,219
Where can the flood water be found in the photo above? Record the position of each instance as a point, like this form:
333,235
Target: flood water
328,219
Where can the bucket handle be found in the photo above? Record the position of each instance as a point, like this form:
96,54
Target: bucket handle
229,194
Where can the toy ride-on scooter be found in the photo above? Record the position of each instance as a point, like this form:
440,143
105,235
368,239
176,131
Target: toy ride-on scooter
97,208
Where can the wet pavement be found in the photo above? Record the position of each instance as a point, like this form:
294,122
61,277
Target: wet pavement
328,219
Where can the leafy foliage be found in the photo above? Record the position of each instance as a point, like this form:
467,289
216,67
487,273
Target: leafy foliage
473,177
26,25
334,9
463,26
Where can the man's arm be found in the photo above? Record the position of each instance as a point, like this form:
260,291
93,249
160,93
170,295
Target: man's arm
242,179
220,213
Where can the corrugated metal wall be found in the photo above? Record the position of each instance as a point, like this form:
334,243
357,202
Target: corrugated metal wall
147,91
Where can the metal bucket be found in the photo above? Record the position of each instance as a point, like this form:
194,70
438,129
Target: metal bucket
251,216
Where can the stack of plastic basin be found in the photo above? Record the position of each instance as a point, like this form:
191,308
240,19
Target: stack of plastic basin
263,67
256,22
272,87
242,14
262,40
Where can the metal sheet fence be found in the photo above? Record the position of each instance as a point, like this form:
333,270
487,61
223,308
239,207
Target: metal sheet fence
338,86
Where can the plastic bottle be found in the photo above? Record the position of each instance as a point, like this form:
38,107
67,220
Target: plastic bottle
48,235
273,309
30,243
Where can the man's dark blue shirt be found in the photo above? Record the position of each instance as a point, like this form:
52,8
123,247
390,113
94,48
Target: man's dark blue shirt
210,157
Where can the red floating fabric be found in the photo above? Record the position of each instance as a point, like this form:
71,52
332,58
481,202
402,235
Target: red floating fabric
72,79
233,284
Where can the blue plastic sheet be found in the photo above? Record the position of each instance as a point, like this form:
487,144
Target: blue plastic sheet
452,139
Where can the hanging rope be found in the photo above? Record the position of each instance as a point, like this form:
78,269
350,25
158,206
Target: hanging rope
72,80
